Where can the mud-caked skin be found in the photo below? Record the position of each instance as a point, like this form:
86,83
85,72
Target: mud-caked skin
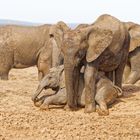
23,46
106,92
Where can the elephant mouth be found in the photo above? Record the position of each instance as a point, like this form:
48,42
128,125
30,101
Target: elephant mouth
56,89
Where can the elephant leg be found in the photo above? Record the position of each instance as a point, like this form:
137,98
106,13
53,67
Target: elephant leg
119,71
4,76
134,74
118,76
89,90
40,75
5,65
43,69
59,98
126,73
44,64
109,75
133,77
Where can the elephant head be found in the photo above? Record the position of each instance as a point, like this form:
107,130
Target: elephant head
56,35
86,45
57,31
53,80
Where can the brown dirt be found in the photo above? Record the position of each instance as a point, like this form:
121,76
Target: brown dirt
20,119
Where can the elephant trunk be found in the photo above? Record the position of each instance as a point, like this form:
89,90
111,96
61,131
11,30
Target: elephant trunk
71,81
41,86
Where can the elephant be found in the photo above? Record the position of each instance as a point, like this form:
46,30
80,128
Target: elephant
102,46
80,26
106,91
25,46
132,68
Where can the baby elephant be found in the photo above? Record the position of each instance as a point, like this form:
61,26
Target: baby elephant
106,92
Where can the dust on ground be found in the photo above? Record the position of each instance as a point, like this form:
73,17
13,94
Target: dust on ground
20,119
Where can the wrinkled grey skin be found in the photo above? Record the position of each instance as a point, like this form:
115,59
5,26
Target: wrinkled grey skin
106,92
132,68
102,46
22,47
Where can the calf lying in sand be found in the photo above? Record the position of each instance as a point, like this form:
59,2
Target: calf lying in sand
106,92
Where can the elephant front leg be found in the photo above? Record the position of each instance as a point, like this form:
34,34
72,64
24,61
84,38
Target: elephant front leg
133,77
126,73
43,68
4,76
109,75
90,77
40,75
119,73
118,76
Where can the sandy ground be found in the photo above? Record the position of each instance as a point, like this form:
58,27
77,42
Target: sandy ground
20,119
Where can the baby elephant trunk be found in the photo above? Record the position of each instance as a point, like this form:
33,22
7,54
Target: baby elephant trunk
42,85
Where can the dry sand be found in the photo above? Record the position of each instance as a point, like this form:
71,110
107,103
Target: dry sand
21,120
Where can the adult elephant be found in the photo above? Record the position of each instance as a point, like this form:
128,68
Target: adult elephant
22,47
81,26
102,46
132,68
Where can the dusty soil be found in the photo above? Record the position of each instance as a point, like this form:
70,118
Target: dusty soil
20,119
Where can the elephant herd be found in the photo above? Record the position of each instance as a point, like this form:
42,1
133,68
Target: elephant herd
84,67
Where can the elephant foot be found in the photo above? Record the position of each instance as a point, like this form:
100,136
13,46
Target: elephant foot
90,108
4,77
102,112
44,107
68,108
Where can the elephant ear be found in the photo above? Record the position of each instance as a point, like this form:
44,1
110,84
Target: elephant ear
98,41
